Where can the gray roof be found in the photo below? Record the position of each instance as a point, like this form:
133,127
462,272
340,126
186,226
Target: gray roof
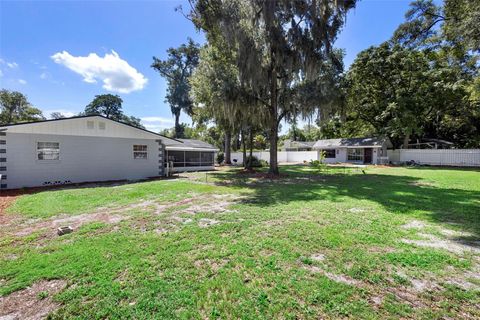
300,144
349,143
192,143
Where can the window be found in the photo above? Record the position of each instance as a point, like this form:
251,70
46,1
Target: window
182,159
329,153
207,158
48,151
90,124
101,125
355,154
139,151
192,159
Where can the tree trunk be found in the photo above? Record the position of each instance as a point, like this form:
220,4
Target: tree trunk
244,149
251,149
228,138
177,125
273,119
406,140
273,148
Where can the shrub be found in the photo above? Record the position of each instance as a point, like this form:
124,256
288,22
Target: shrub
319,164
220,157
255,162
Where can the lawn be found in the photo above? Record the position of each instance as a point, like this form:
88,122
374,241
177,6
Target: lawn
387,243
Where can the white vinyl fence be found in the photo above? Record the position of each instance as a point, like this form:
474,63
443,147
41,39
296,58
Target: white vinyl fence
283,156
437,157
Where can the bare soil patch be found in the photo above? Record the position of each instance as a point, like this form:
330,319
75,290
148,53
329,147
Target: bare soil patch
197,203
213,264
333,276
75,222
456,246
34,302
422,184
415,224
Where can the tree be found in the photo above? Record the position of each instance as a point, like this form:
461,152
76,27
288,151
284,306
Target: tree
219,96
176,69
281,49
404,92
57,115
16,108
455,22
107,105
131,120
110,106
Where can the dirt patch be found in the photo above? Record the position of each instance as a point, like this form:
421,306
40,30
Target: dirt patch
333,276
204,223
34,302
213,265
415,224
205,203
421,184
356,210
319,257
74,221
456,246
6,199
469,280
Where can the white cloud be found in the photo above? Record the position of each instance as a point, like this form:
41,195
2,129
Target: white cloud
157,123
43,75
21,81
12,65
157,119
1,73
117,75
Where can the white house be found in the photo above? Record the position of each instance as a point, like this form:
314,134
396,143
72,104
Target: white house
87,149
354,150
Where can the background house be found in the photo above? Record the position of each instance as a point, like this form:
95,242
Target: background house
86,149
354,150
290,145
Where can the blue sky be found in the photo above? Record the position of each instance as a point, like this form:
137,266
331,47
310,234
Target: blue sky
63,53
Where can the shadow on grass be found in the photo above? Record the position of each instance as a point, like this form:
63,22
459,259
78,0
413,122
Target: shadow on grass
397,194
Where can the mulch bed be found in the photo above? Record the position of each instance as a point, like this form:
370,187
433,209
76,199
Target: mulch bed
7,197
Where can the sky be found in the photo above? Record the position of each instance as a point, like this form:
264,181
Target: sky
61,54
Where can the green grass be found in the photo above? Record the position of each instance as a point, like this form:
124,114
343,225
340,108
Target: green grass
258,261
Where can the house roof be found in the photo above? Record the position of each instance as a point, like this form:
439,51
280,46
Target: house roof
301,144
80,117
289,144
350,143
191,144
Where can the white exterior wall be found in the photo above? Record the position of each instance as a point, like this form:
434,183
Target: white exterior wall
341,155
440,157
82,159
